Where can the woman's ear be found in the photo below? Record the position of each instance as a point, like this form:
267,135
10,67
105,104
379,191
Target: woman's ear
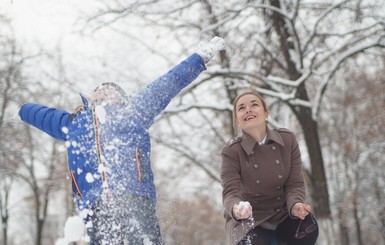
267,116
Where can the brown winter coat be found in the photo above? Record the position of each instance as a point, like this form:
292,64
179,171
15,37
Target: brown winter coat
269,176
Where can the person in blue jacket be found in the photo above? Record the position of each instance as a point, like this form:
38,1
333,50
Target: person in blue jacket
109,148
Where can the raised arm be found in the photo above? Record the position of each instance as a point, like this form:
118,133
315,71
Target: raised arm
156,96
50,120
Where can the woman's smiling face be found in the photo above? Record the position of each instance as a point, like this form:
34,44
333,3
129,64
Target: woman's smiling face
250,112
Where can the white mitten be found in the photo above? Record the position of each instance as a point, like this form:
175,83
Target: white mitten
242,210
208,50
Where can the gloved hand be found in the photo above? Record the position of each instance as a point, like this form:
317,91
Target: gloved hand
208,50
242,210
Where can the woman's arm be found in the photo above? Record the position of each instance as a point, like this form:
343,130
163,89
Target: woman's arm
231,180
156,96
295,185
50,120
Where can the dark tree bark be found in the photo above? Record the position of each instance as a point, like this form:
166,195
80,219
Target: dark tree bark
318,184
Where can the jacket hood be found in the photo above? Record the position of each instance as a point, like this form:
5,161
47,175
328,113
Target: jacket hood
84,100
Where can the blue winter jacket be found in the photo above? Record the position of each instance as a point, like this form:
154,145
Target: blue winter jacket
109,146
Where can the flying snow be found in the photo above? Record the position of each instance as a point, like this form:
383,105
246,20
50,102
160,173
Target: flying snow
64,130
73,231
89,178
101,112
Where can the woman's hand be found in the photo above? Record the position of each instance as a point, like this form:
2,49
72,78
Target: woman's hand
300,210
242,210
208,50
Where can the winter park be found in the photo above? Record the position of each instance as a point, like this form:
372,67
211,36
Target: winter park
192,122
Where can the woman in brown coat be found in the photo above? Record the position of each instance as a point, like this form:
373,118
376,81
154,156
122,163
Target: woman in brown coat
263,186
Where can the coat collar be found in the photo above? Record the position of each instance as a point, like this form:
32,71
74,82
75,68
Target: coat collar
249,142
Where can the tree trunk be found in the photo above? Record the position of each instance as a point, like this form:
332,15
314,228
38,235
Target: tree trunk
39,232
318,184
357,220
344,230
5,232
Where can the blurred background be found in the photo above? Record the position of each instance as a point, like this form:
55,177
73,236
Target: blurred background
319,64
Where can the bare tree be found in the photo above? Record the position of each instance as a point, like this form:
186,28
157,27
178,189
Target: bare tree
290,51
287,50
23,159
9,156
354,148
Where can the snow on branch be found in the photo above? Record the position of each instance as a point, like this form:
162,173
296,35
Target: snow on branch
198,106
174,9
288,82
290,98
274,83
345,46
380,41
272,54
313,32
220,23
272,8
349,32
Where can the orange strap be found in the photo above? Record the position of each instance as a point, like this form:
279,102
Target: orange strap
99,150
76,185
138,165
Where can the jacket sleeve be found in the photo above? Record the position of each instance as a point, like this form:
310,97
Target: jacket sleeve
50,120
231,180
151,101
295,185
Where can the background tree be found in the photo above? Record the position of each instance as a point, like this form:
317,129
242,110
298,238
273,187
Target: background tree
31,169
44,170
354,149
284,49
10,64
289,51
301,55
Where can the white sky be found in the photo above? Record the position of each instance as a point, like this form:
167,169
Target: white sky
43,20
104,56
